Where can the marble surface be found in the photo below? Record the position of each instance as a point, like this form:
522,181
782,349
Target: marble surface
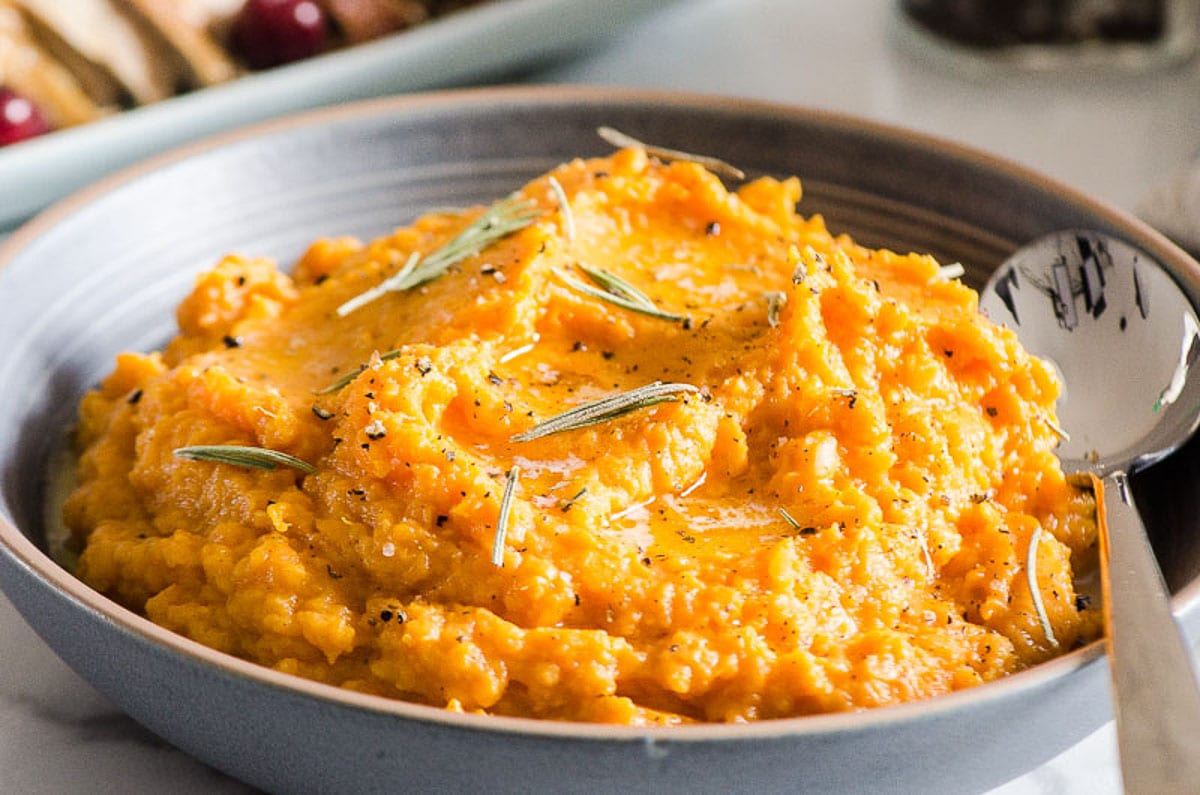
1113,134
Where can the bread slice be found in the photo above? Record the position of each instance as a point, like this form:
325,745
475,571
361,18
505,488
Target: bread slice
362,20
111,58
183,27
34,74
215,16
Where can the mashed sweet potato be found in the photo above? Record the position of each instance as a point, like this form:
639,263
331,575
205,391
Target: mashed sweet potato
838,517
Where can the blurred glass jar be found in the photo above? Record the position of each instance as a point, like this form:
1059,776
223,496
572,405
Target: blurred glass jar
1049,33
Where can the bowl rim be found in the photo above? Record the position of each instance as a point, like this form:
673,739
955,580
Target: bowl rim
39,565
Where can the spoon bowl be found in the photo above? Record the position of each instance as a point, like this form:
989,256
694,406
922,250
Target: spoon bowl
1124,338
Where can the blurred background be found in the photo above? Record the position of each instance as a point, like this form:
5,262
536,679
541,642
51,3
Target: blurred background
1103,95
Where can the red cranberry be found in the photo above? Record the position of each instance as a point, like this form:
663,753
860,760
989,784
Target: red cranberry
268,33
19,118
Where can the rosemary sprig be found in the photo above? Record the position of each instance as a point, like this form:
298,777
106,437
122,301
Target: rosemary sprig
243,456
606,409
505,511
350,376
617,292
611,283
1035,593
502,219
620,139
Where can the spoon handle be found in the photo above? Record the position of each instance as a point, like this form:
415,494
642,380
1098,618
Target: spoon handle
1156,698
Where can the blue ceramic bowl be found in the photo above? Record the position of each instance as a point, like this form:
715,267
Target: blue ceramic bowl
103,271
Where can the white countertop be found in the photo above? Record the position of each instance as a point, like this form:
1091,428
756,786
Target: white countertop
1111,135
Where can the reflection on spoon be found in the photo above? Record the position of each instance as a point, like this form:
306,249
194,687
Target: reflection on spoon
1188,350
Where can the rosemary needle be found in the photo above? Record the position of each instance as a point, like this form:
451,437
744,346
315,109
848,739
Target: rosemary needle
787,517
350,376
564,207
516,352
1035,593
606,409
954,270
505,511
566,506
618,292
618,138
775,303
243,456
502,219
1056,429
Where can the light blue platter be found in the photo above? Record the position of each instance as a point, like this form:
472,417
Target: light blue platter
485,42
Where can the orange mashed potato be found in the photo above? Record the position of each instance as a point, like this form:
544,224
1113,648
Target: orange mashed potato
839,517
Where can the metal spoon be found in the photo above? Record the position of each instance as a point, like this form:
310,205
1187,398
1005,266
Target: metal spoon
1124,337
